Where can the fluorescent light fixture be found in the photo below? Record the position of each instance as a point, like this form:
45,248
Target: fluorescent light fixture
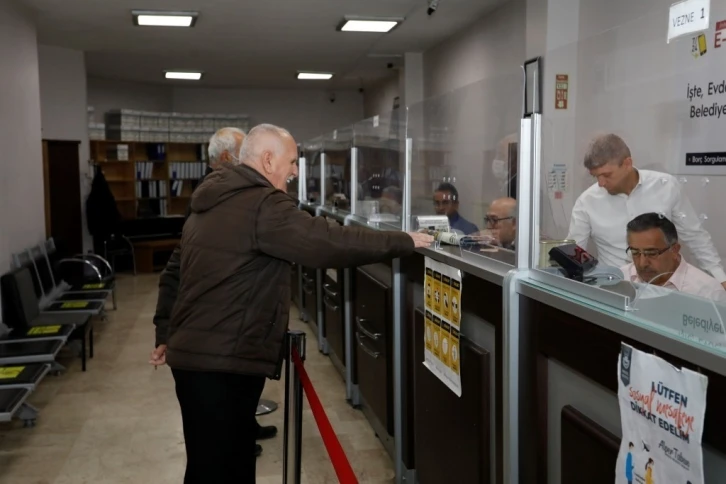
380,25
185,75
314,76
150,18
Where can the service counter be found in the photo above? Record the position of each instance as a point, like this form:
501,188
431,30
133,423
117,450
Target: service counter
569,423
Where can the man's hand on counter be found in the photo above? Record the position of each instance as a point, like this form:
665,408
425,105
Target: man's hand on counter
421,240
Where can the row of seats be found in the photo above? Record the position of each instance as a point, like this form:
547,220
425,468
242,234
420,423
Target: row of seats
48,302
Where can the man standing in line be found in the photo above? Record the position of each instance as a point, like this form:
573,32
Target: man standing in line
623,192
223,148
227,330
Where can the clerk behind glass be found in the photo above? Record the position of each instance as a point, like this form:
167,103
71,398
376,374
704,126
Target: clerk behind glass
653,245
446,202
501,220
623,192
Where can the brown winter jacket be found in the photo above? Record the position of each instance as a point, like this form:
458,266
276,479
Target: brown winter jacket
236,249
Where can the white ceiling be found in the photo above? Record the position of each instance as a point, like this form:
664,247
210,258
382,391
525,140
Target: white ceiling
249,43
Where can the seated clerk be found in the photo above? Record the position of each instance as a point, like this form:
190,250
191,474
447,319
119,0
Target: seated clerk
653,245
446,202
501,220
623,192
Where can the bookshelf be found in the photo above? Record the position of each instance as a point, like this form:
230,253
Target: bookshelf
148,179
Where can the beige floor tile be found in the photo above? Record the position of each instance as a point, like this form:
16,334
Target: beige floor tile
119,422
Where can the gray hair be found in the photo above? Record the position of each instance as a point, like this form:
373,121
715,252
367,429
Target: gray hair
252,147
608,148
221,141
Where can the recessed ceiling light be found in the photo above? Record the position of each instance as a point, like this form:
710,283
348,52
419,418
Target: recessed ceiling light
150,18
185,75
314,76
381,25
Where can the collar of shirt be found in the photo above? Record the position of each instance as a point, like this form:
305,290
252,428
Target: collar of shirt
676,280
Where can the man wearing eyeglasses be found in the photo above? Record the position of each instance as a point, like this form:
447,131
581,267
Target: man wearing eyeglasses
501,221
623,192
446,202
653,245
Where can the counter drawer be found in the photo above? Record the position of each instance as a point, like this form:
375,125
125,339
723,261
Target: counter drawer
374,380
334,312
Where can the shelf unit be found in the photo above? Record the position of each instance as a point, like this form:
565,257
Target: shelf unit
122,176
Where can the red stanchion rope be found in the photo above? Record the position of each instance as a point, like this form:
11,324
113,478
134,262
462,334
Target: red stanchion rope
337,456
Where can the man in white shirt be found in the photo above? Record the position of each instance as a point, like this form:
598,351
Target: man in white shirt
622,193
653,245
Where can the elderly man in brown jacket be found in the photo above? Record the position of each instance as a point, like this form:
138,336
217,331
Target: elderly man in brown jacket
227,329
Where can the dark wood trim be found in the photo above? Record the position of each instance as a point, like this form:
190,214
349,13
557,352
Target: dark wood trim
46,188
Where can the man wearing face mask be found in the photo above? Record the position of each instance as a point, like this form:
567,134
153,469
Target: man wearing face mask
623,192
653,245
446,202
504,166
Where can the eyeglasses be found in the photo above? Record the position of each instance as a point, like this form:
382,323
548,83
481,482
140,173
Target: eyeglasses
647,253
492,221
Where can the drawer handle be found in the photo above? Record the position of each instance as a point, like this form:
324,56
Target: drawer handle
359,323
371,353
329,291
328,303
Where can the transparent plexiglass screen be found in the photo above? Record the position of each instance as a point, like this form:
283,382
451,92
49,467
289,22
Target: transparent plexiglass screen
313,150
465,162
380,146
634,163
336,146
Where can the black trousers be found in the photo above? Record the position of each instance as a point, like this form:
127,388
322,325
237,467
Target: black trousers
218,413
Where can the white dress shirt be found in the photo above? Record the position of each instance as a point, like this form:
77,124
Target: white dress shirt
687,279
604,217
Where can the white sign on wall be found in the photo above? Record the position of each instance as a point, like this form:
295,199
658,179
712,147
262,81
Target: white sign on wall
662,409
687,17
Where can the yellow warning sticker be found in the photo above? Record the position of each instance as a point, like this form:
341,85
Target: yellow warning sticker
99,285
74,305
38,330
10,372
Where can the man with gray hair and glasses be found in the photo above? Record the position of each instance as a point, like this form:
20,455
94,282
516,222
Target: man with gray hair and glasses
623,192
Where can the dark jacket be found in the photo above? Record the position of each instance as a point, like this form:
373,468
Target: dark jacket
102,215
169,287
236,253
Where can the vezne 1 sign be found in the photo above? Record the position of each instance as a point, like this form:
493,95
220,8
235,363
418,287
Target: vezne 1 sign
687,17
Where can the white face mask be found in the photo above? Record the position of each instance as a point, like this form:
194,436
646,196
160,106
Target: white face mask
500,169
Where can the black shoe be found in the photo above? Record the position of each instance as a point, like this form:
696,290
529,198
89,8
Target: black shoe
268,432
258,450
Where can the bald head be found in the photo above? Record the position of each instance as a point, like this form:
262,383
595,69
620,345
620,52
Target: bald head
272,151
224,146
502,220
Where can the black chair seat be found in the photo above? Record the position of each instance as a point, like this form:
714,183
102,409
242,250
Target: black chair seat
22,374
30,348
45,331
77,319
11,398
80,296
68,306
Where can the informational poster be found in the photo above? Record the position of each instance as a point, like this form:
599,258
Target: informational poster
662,409
562,87
443,323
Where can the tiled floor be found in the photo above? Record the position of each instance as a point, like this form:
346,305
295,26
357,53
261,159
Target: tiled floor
120,423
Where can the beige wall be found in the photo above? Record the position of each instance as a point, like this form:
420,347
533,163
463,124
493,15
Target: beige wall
22,208
64,110
378,98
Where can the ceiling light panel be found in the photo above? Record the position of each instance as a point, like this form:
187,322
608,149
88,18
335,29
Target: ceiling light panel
184,75
314,76
146,18
379,25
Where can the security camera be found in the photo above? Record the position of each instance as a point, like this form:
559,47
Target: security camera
433,5
332,97
390,65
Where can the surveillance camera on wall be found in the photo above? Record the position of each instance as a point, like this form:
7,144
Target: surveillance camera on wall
332,97
433,5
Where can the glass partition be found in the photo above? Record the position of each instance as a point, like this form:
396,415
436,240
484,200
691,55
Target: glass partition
313,149
380,148
632,169
337,146
464,164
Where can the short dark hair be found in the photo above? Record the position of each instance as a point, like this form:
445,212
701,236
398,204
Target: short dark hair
606,149
448,187
652,220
